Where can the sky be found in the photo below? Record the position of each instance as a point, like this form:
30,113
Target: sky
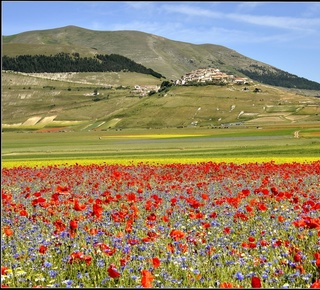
285,35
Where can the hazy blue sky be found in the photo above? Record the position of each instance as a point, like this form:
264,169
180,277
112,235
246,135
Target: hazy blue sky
283,34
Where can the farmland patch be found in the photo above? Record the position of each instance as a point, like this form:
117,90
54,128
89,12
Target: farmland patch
32,121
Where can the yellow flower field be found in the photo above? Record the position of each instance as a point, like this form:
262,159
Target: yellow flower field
191,160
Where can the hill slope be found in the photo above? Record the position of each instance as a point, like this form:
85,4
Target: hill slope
100,101
170,58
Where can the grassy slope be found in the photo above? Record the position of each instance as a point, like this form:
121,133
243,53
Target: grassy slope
69,97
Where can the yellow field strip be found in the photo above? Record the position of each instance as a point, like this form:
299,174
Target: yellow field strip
156,161
154,136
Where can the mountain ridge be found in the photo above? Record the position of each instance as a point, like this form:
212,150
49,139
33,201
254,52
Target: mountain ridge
169,57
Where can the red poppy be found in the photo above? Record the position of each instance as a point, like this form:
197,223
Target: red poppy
165,219
4,270
42,249
255,282
213,215
248,208
177,235
151,217
226,230
8,231
60,226
62,190
315,284
297,257
226,285
97,210
147,278
112,271
205,196
77,206
131,197
317,256
105,249
155,262
73,224
23,213
262,207
206,225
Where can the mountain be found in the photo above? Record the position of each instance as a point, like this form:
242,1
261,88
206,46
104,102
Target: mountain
170,58
121,99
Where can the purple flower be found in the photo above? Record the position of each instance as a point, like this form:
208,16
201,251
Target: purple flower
47,264
239,276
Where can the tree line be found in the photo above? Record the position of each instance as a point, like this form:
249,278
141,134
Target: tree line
65,62
279,78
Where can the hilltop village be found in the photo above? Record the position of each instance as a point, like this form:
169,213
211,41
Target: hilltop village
198,76
209,75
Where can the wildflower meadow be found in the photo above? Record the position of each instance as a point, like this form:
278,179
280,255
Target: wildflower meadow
206,224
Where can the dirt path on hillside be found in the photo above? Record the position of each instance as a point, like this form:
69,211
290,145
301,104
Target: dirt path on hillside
296,134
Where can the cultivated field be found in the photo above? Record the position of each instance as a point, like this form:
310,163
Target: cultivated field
121,101
290,142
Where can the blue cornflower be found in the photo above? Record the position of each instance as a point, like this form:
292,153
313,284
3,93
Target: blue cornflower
242,261
142,248
47,264
251,274
214,223
126,249
216,256
229,262
239,276
100,263
52,273
64,235
68,282
196,271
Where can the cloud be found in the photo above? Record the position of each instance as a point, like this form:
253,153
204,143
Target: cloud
289,23
278,22
248,6
191,11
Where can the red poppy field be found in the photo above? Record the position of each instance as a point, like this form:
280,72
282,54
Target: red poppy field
218,225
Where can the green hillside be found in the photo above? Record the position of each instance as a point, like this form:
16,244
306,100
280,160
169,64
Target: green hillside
103,101
167,57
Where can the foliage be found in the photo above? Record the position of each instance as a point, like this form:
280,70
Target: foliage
279,78
64,62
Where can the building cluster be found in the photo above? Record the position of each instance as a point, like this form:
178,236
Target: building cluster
208,75
144,90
